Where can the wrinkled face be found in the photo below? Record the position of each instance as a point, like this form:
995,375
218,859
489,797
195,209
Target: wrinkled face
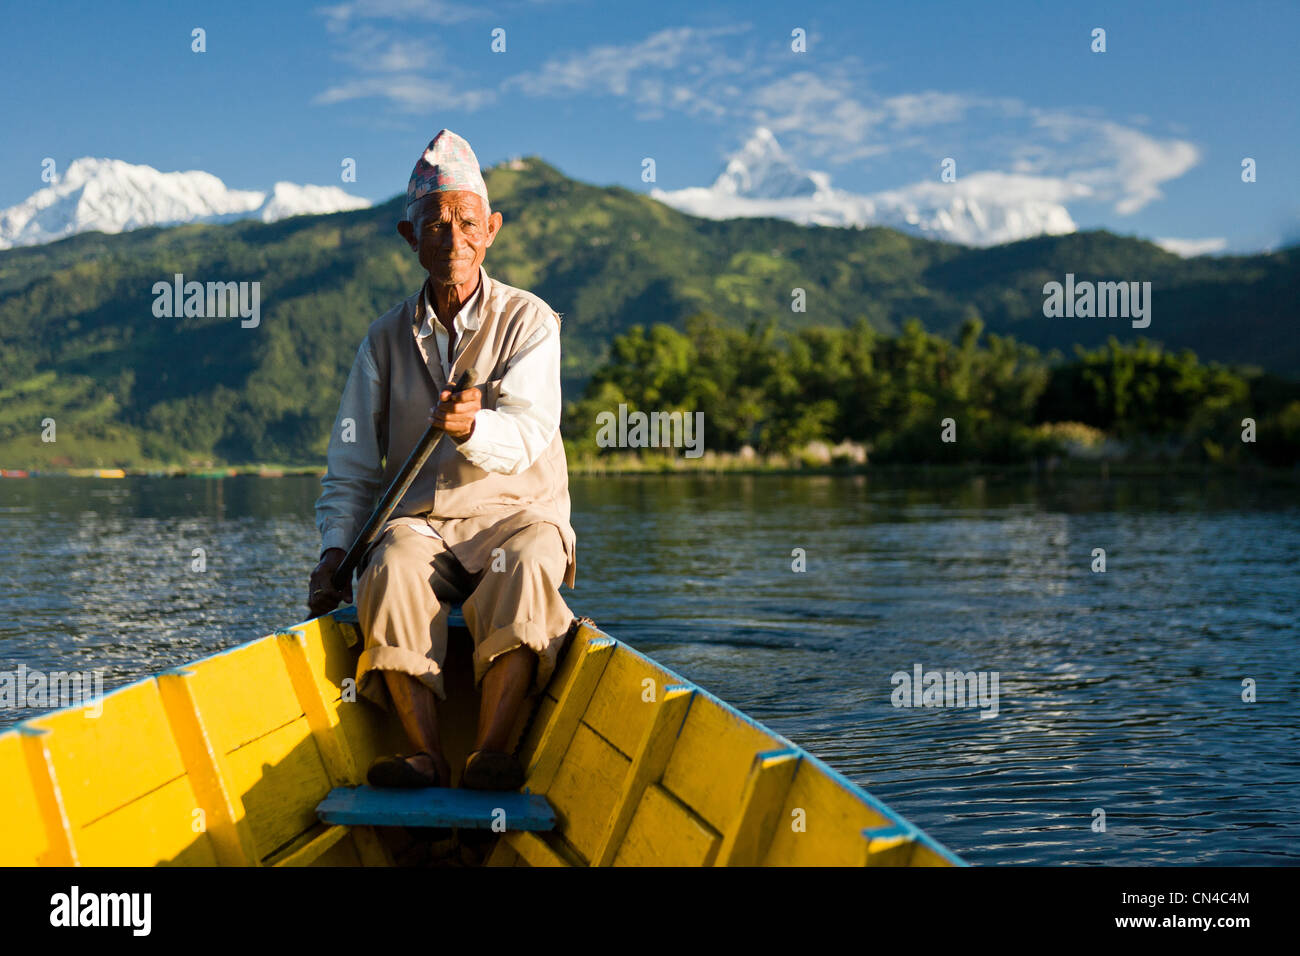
450,232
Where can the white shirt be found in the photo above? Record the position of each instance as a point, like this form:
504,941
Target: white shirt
506,440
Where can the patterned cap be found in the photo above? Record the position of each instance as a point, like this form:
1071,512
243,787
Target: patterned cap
448,164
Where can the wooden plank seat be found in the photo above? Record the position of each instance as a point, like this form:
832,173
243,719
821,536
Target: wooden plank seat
348,615
503,810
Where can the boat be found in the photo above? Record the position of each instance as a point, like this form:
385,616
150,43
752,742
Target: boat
230,761
96,473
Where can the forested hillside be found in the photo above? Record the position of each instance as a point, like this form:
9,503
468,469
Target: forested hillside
80,343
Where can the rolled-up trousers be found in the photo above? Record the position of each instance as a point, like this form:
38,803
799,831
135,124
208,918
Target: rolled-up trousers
411,581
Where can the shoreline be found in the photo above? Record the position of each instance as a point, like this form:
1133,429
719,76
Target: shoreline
1071,468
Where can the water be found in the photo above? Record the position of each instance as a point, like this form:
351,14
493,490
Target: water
1120,691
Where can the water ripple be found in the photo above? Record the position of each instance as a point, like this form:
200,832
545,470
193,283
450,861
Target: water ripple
1118,692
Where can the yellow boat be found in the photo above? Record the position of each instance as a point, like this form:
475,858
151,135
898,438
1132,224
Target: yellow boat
229,760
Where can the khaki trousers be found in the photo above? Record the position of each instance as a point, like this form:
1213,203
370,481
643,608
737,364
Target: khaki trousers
410,582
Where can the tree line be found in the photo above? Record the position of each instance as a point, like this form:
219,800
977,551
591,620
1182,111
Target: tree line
777,391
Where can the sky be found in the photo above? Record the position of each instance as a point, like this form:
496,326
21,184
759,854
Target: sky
1146,138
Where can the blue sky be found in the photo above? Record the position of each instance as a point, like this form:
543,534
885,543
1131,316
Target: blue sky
1146,138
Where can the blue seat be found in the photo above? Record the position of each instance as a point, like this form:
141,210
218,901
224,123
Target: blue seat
348,615
437,807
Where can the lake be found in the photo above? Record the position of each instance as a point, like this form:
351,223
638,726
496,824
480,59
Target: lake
1118,691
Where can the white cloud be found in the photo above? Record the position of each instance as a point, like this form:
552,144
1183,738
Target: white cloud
927,109
826,119
341,16
376,51
392,66
412,93
834,114
1122,165
1115,164
831,113
651,72
671,69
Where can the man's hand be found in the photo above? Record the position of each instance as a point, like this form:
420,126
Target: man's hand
321,596
454,414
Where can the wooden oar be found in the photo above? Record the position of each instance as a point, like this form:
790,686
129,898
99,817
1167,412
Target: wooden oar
421,453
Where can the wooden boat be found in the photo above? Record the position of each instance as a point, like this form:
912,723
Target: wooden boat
227,761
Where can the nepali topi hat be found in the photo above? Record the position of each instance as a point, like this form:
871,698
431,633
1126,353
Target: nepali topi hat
448,164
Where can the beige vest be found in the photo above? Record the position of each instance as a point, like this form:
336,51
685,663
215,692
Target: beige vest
450,487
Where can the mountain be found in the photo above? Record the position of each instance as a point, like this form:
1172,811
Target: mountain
108,195
762,170
80,341
979,209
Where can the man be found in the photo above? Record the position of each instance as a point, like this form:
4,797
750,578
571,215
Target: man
486,521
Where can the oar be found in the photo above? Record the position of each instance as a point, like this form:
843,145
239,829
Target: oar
421,453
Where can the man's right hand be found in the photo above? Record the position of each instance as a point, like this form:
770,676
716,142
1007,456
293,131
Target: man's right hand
321,596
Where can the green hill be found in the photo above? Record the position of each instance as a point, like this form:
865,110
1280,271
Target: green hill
79,342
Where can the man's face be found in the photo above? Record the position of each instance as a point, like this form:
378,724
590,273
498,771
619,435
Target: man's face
450,232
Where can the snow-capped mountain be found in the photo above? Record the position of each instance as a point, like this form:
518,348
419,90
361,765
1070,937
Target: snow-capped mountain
762,170
113,196
1191,248
980,209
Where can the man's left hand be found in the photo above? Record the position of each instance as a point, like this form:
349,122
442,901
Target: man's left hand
455,412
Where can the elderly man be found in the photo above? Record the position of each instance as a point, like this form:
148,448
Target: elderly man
487,520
